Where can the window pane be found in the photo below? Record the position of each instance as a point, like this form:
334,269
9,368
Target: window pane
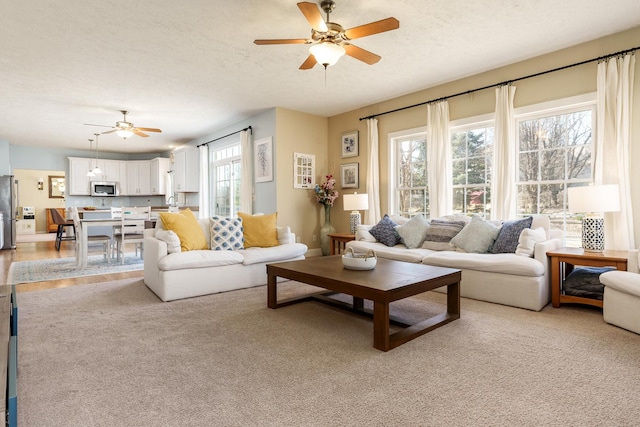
459,172
528,167
476,171
579,162
552,165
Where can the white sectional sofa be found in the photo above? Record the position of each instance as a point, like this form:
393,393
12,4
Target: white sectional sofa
503,278
193,273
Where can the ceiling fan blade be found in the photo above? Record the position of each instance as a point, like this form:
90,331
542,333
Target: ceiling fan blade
137,132
281,41
109,131
313,15
361,54
372,28
149,129
309,63
91,124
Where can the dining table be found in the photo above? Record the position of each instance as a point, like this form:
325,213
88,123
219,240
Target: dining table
88,223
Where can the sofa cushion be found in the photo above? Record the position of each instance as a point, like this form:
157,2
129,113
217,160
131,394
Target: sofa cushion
170,238
440,233
528,239
199,259
398,252
477,236
362,233
507,240
413,232
384,231
497,263
273,254
186,226
226,233
259,230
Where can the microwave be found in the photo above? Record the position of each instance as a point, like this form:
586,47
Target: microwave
104,188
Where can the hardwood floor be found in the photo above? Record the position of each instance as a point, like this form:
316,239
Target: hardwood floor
45,250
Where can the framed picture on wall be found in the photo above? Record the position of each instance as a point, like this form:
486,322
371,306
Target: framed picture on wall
349,144
263,159
349,175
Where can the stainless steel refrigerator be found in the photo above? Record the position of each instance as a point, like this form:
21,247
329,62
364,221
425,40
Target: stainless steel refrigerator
9,211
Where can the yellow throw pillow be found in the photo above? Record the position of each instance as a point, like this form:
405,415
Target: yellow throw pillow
259,230
185,225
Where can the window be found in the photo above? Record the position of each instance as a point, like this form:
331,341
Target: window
472,156
409,186
554,152
226,167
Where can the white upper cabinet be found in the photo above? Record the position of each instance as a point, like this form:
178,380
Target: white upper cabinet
159,168
78,180
139,178
186,170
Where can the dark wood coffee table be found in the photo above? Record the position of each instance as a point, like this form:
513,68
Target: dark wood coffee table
389,281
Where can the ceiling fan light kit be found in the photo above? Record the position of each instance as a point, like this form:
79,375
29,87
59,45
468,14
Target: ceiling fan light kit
330,41
125,129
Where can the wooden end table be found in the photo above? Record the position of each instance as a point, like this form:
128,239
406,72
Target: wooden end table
338,242
562,262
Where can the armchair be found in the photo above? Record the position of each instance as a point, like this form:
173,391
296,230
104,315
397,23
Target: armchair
621,302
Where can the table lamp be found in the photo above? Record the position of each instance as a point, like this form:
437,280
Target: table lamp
592,200
355,203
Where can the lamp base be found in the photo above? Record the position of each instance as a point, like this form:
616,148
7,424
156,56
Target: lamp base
593,234
354,221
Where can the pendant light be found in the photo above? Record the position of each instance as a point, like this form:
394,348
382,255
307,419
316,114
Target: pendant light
96,170
90,173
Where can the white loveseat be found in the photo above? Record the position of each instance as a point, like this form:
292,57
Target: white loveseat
504,278
193,273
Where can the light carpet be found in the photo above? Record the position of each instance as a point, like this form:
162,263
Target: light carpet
65,268
113,354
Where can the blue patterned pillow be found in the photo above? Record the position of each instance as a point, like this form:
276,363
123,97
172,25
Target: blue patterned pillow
227,234
507,240
385,232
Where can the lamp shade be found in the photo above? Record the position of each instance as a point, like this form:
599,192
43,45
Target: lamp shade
355,202
124,133
594,198
327,53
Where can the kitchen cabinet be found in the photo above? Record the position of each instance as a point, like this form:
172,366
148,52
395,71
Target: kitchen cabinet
159,168
138,178
78,182
186,170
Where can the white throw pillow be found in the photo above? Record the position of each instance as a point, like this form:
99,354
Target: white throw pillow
170,238
284,235
528,239
362,233
477,236
413,231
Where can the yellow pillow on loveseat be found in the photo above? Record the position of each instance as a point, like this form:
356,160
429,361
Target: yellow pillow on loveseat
259,230
185,225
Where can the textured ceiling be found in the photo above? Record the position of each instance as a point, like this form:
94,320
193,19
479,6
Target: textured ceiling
191,68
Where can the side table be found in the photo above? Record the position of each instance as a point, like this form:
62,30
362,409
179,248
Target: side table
338,241
562,262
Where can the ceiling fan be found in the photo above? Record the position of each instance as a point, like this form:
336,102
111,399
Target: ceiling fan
125,129
329,41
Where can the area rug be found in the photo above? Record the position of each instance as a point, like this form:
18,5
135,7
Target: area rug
112,354
65,268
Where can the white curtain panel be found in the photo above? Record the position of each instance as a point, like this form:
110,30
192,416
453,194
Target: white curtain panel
203,195
612,152
372,215
440,168
503,185
246,183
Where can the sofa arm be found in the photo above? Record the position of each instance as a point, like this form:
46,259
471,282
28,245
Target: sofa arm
632,261
541,248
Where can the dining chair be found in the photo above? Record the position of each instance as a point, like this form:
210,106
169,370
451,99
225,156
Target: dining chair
63,224
131,230
104,240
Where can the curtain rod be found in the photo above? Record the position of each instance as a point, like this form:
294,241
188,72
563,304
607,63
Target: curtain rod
232,133
506,82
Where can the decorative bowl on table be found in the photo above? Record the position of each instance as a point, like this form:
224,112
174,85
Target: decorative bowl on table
89,208
353,261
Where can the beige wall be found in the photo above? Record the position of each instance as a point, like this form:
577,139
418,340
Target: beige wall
299,133
570,82
29,195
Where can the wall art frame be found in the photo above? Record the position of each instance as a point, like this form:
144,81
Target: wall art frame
304,170
349,144
263,159
349,175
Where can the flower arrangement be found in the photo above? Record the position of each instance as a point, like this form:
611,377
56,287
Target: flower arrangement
326,192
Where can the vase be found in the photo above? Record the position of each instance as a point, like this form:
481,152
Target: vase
325,230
